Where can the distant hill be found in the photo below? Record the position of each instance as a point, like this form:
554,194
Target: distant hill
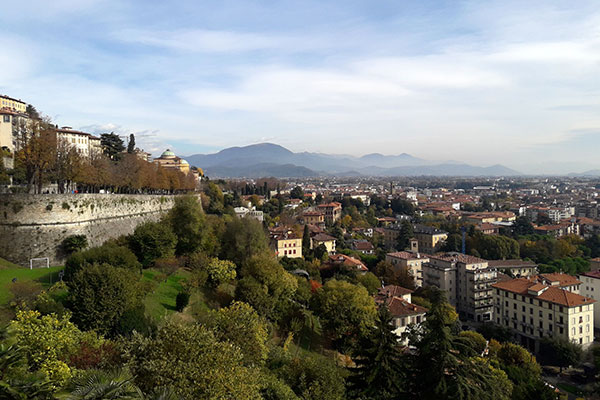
260,170
268,159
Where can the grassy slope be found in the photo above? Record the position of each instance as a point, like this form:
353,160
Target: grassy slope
7,264
161,302
45,276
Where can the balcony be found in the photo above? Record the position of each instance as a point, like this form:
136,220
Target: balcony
484,280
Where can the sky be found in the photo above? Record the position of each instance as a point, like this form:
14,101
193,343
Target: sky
483,82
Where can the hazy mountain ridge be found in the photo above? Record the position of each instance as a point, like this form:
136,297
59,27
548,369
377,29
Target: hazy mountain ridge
267,159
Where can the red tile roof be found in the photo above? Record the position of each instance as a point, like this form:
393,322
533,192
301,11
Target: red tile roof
562,279
399,307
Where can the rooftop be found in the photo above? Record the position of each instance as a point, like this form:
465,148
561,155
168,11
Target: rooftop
459,257
514,263
399,307
406,255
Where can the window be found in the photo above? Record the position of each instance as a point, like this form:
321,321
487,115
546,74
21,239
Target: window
531,310
580,330
515,306
506,303
550,317
523,308
540,313
7,118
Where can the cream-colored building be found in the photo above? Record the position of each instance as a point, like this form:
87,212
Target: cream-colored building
590,287
168,159
13,126
12,104
514,268
404,313
86,144
467,281
413,262
534,310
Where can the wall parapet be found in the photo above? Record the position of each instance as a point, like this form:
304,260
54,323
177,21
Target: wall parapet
35,225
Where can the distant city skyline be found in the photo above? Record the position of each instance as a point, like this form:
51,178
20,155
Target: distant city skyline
499,82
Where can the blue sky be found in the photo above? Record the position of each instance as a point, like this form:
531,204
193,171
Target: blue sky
508,82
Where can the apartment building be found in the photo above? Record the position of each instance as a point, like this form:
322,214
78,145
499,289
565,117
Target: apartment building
332,211
467,282
86,144
430,239
534,310
590,287
413,262
314,218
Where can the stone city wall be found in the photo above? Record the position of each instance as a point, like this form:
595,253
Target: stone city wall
34,226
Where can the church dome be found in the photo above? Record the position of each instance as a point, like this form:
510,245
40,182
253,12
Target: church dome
167,154
184,162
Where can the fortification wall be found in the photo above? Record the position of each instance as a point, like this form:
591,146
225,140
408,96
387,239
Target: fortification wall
35,225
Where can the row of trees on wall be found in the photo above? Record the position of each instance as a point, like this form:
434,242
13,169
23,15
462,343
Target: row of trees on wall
43,158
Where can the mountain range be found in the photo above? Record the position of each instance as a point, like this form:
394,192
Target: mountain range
268,159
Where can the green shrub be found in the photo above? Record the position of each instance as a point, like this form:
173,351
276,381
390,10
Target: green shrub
181,301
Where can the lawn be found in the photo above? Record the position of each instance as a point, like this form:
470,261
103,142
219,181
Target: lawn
46,276
161,301
7,264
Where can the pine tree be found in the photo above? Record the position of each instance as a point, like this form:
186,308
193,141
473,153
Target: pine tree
131,144
379,373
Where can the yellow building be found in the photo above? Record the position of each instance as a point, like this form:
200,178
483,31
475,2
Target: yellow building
287,244
323,239
12,104
168,159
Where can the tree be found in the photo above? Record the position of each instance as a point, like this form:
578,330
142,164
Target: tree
32,112
370,281
297,193
37,155
192,362
379,374
74,243
109,253
188,223
242,239
220,271
45,341
446,365
151,241
401,206
404,235
313,377
306,241
131,144
266,286
241,325
394,276
478,342
347,310
99,296
102,385
560,351
523,226
112,145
